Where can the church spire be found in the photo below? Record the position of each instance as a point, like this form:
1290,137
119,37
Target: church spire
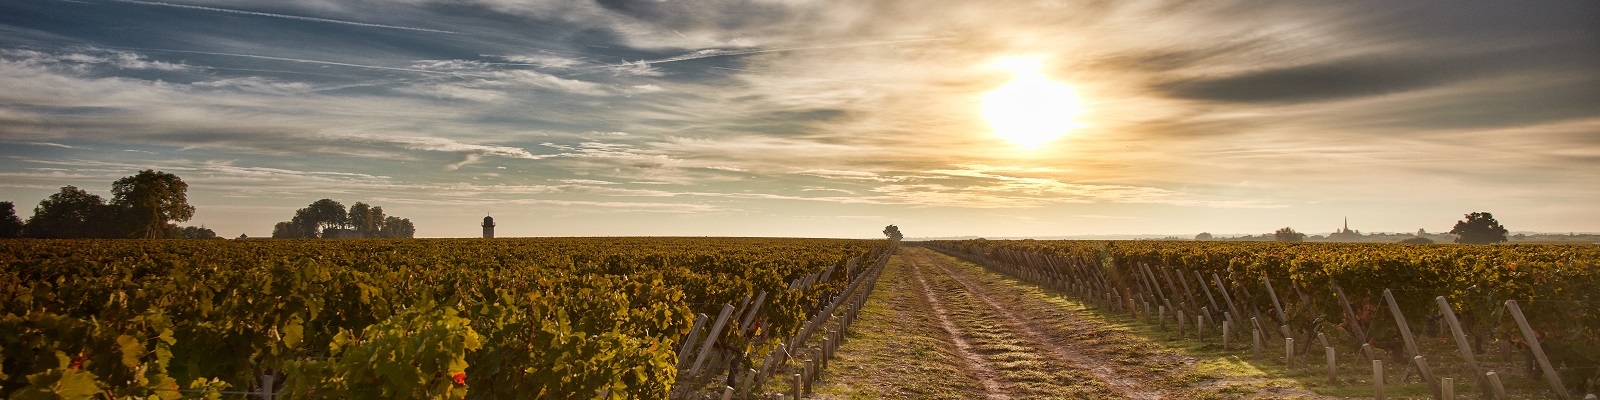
1346,224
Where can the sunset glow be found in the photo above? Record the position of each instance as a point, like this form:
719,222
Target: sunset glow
818,118
1030,110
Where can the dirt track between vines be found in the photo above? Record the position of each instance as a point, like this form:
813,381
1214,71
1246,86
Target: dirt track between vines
973,362
1010,340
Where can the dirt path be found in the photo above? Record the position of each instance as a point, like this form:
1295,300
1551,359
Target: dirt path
974,362
982,335
1020,364
1064,352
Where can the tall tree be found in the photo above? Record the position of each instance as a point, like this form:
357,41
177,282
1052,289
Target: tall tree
10,224
1288,234
70,213
201,232
893,232
366,219
304,224
396,227
1479,228
151,200
285,230
327,213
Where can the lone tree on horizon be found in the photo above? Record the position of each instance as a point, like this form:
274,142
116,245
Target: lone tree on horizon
1479,228
893,232
150,201
1288,234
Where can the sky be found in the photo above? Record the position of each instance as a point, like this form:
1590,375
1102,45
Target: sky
816,118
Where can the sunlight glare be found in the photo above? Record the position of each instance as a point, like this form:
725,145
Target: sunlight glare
1030,110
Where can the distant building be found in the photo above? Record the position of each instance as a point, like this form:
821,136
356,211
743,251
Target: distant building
488,227
1345,234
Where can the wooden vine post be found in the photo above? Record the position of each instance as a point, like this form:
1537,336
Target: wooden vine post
1400,321
1377,379
1461,343
1350,315
1538,351
1411,343
1225,297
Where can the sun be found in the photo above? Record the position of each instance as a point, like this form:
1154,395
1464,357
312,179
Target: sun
1030,110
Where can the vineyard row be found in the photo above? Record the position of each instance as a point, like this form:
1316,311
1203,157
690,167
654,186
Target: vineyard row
1553,324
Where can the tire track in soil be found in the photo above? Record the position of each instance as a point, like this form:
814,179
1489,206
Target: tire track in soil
1099,370
975,363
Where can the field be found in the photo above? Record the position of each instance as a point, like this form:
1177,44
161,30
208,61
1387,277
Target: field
752,317
1434,311
502,318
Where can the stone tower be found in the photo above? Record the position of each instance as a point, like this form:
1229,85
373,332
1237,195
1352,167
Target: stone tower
488,227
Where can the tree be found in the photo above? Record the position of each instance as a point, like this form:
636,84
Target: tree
893,232
396,227
1203,236
70,213
1479,228
150,201
10,224
1288,234
327,213
324,217
191,232
366,219
311,221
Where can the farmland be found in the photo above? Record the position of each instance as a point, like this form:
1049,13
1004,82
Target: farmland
755,318
534,318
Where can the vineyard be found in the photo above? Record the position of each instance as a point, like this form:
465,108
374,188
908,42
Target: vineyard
501,318
1367,301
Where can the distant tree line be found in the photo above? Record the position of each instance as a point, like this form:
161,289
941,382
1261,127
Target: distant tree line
329,219
144,205
1477,228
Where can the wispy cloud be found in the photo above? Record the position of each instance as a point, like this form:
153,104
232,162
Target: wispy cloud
284,16
90,56
57,145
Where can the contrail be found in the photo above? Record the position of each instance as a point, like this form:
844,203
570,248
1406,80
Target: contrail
708,53
294,17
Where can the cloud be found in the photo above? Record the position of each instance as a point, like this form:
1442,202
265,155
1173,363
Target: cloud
257,84
294,17
58,145
547,60
469,152
83,57
585,182
1371,75
851,175
1315,82
455,91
